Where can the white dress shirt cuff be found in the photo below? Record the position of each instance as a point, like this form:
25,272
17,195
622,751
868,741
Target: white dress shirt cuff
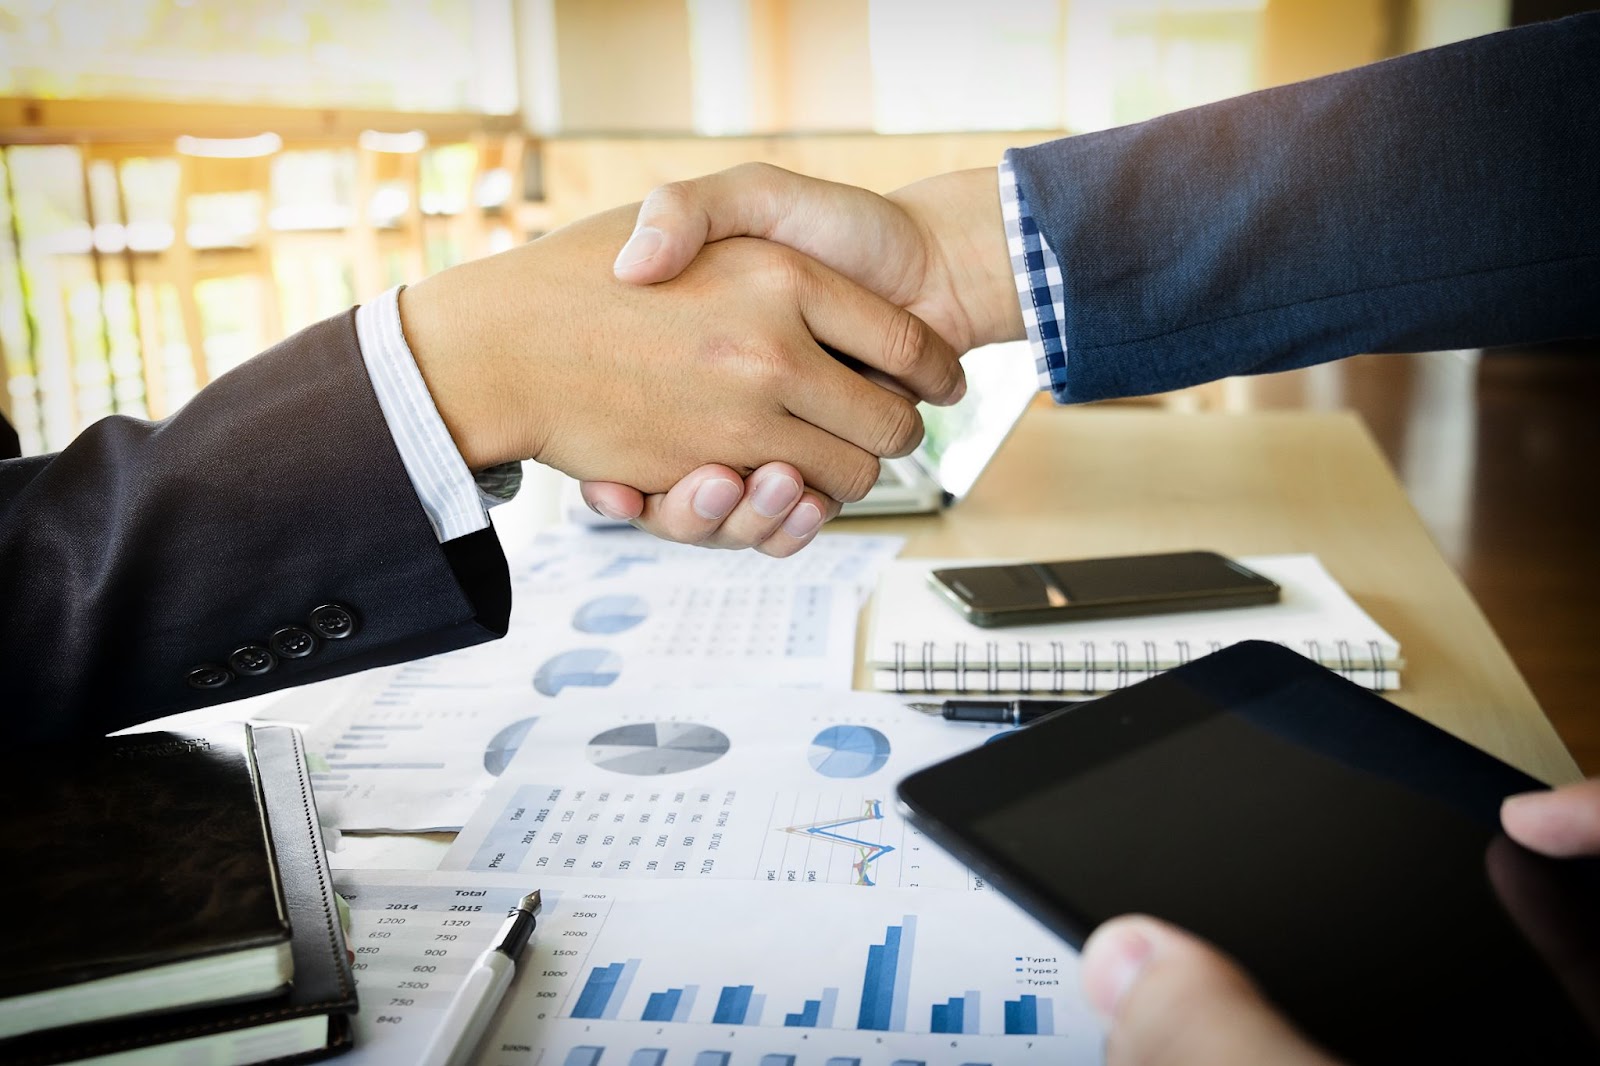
450,495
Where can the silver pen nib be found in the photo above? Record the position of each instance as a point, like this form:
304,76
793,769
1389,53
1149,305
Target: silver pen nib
532,902
927,708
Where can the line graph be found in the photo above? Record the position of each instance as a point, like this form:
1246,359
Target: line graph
867,851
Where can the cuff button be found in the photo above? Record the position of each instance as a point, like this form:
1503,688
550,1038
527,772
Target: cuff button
333,621
209,676
292,642
252,660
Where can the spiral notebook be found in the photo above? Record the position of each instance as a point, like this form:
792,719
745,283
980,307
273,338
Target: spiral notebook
919,643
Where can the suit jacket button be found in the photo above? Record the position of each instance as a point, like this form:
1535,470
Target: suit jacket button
333,621
209,676
293,642
252,660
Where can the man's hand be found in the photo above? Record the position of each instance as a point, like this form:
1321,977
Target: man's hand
716,508
1563,823
540,353
936,248
1170,998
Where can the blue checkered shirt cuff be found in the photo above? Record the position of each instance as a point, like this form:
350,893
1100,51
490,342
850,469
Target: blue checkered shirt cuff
1039,290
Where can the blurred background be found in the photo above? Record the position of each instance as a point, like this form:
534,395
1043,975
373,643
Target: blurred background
182,182
186,181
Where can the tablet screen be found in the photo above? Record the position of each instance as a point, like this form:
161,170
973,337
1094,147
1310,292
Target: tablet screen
1346,853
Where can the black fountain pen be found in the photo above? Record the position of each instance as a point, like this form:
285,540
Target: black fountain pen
1006,712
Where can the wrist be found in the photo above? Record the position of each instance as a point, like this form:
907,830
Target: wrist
448,325
959,214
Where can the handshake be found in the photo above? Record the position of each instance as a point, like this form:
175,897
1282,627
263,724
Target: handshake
734,370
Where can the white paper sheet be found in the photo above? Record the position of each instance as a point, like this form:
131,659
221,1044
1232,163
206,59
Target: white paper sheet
775,787
727,972
567,557
414,747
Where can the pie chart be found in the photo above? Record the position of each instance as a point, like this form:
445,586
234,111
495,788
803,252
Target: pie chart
580,667
848,751
650,749
504,744
610,614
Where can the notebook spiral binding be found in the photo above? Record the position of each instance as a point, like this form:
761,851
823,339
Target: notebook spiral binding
1066,678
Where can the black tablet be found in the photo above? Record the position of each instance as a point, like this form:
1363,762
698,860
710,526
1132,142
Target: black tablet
1346,852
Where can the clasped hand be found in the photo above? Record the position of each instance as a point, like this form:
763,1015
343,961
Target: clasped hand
936,248
541,353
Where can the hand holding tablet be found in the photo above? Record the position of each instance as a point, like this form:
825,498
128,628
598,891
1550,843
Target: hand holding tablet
1347,854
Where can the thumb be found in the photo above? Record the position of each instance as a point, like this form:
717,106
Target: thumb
678,219
1170,998
663,242
620,503
1562,823
855,232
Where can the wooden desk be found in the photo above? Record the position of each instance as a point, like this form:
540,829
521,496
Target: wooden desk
1112,481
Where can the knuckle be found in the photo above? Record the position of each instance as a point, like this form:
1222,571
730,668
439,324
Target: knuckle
764,367
903,343
901,429
858,478
755,171
671,198
955,375
779,548
673,527
777,269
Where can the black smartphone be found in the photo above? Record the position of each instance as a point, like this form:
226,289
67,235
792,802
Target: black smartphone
1017,594
1345,852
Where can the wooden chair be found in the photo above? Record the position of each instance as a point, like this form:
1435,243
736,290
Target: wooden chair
204,250
198,240
387,241
500,213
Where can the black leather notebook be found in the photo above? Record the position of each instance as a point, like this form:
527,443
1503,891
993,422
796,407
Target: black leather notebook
139,876
311,1018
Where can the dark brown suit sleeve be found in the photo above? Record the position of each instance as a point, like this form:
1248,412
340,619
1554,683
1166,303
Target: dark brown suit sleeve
154,567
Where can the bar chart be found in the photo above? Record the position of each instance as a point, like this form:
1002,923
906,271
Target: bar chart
881,993
635,975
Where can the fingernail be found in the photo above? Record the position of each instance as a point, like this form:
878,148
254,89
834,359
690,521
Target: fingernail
774,495
1526,802
1112,961
803,521
1521,799
641,248
715,498
607,512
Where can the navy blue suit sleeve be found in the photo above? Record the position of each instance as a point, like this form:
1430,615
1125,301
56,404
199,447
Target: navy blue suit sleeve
146,549
1445,199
